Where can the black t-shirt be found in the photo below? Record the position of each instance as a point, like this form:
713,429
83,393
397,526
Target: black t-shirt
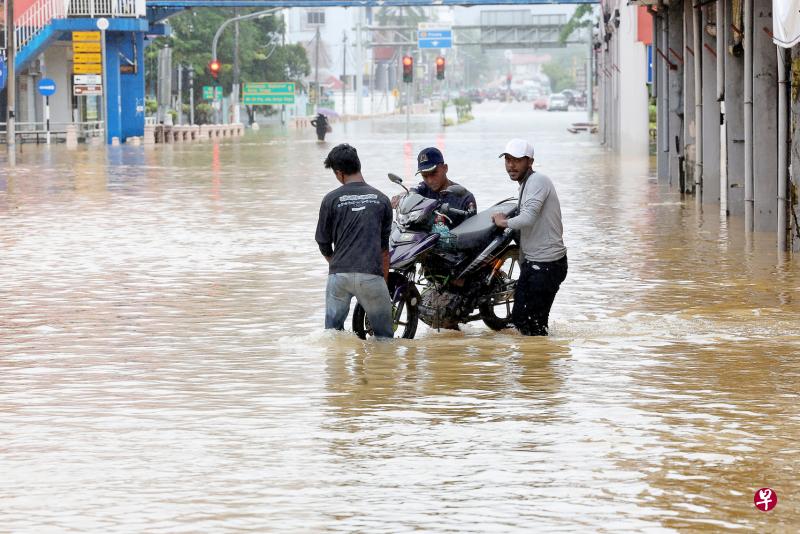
465,203
354,224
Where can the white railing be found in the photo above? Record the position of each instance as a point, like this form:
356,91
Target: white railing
39,15
106,8
35,18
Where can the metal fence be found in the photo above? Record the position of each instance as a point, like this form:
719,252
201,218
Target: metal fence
36,132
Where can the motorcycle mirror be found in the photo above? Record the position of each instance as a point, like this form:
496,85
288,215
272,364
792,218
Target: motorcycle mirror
396,179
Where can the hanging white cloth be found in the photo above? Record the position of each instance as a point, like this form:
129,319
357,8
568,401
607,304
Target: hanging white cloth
786,22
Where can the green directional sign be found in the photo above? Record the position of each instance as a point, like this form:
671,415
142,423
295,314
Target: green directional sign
267,93
211,92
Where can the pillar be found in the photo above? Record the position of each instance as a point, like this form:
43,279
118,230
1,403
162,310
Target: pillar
765,120
734,110
711,108
675,91
689,147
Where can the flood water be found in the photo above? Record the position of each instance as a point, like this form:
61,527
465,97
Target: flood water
163,366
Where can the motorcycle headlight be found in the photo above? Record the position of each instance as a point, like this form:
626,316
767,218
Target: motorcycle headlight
410,217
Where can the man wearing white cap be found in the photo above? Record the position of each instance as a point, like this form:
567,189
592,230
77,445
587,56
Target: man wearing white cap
544,256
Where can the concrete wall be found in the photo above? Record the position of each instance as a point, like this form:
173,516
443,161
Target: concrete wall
689,131
633,98
674,52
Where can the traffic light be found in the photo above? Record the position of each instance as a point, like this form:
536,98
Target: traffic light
440,68
213,66
408,69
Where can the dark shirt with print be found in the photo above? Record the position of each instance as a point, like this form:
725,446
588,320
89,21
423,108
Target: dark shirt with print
465,202
354,224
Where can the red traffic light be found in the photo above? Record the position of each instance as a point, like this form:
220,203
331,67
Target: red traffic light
213,66
408,69
440,68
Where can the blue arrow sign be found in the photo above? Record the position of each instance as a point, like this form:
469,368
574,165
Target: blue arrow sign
3,72
47,87
435,38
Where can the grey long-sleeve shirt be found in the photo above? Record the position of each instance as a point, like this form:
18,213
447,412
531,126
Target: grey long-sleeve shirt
539,220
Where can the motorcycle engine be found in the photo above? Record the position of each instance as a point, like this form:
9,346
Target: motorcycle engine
443,309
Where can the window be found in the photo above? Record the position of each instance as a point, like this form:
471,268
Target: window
315,18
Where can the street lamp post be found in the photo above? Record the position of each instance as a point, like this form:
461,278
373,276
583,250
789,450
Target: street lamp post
257,14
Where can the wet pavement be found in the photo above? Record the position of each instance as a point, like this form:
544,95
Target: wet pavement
163,365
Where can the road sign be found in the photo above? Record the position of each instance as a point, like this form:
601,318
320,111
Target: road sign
434,36
46,87
211,92
83,90
80,47
87,79
3,72
86,36
267,93
87,68
87,58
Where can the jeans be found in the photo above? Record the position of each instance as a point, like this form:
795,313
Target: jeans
371,292
536,290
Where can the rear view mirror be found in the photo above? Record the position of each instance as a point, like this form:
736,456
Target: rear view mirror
394,178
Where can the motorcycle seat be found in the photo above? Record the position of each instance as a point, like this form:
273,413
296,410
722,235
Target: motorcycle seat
478,230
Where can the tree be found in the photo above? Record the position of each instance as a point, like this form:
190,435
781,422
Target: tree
261,57
581,18
560,78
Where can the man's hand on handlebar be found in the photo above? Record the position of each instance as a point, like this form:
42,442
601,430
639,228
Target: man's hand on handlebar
396,200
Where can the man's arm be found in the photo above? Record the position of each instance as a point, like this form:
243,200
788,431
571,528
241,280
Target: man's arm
323,235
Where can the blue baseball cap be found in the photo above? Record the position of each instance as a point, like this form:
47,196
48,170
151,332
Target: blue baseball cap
428,159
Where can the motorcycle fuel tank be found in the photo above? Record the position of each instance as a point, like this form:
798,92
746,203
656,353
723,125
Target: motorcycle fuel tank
404,247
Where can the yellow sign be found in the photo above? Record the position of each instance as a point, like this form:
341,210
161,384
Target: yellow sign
86,36
87,58
87,68
79,47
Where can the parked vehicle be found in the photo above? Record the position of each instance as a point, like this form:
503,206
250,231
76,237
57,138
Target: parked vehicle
540,103
557,102
443,276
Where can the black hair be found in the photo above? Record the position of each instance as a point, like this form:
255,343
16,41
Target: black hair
343,158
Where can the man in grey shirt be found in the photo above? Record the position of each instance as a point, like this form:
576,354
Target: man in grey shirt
543,261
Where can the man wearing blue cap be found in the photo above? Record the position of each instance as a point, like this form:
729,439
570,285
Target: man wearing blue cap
433,169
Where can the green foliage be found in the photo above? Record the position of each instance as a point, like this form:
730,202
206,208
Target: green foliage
463,108
150,106
560,77
261,56
581,18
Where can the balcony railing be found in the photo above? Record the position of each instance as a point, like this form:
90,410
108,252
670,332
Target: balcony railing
39,15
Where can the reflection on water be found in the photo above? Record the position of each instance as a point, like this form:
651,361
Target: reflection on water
163,365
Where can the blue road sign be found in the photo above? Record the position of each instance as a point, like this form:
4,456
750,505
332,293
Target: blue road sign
3,72
435,38
649,64
47,87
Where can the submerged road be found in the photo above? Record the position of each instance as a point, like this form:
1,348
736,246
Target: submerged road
163,365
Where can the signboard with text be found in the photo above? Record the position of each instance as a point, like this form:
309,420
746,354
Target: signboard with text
267,93
211,92
86,53
434,35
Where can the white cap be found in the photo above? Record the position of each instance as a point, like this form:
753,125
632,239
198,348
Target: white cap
518,148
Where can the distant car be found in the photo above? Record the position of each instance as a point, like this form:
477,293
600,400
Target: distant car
557,103
540,103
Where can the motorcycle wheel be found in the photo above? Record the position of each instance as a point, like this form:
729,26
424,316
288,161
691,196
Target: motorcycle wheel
497,315
405,311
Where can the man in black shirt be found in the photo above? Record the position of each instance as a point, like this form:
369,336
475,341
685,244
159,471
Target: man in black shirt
353,230
433,169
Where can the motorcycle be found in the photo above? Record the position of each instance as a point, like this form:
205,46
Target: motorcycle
445,277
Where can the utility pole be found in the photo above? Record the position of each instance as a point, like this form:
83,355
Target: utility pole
11,89
236,73
316,68
180,93
359,65
191,94
344,72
